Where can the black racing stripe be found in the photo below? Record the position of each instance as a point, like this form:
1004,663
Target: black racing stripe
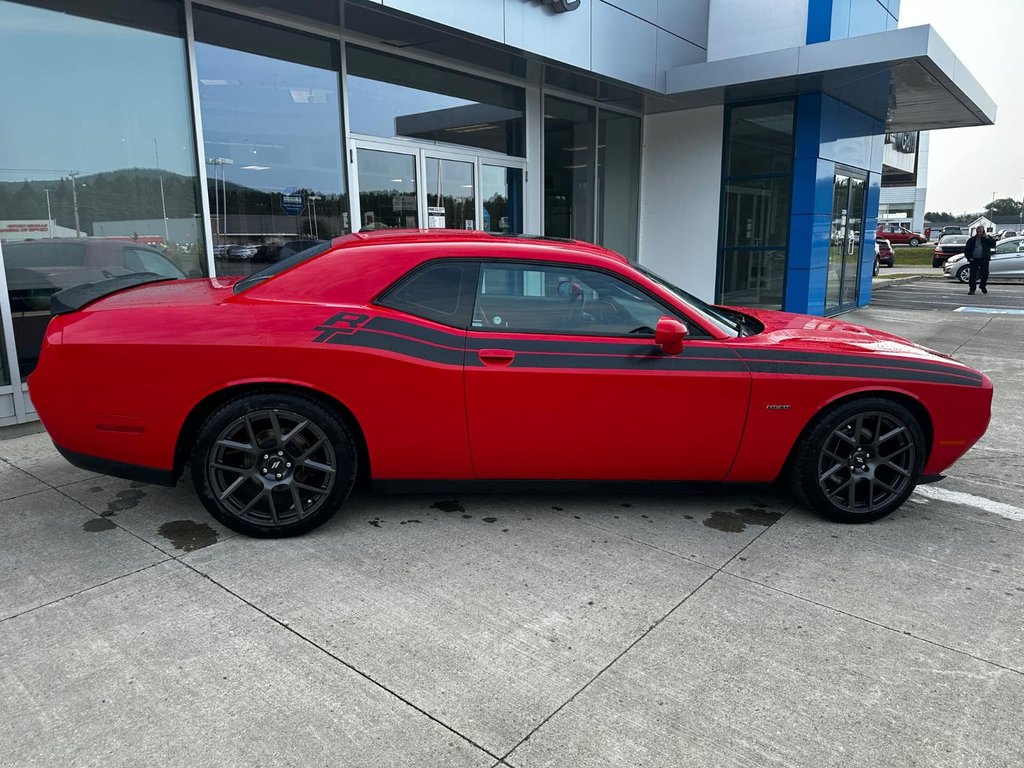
452,338
402,345
597,346
649,362
857,372
778,355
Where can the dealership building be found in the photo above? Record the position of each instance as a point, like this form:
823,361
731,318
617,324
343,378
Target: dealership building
737,147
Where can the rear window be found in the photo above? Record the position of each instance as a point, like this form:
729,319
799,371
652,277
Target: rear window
275,269
953,240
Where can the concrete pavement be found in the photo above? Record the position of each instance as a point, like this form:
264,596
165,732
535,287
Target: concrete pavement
732,629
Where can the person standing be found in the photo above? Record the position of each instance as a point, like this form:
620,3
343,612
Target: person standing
978,251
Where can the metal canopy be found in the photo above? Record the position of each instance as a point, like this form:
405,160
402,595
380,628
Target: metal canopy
907,78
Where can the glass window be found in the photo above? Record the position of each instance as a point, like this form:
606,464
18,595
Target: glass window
95,150
760,139
390,96
271,109
618,162
569,169
502,190
756,212
441,292
561,299
756,191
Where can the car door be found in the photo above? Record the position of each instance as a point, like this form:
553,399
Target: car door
1008,259
565,382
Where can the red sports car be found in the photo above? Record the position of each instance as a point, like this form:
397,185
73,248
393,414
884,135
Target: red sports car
466,357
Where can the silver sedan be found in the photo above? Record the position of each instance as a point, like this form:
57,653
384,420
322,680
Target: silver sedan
1007,261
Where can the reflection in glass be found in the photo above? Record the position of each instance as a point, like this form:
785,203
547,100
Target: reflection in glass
569,169
845,243
387,190
618,159
451,203
760,139
99,173
756,212
503,199
271,113
391,96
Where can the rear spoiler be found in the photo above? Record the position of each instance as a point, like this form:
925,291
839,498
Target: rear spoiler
77,296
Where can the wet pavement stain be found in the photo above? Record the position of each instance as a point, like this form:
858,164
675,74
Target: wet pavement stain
409,521
375,522
125,500
98,524
188,535
490,519
467,517
448,506
558,509
96,489
738,520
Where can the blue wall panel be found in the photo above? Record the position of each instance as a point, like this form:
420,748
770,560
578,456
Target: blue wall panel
805,291
819,20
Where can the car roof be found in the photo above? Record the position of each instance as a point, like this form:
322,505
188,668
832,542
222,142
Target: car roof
492,243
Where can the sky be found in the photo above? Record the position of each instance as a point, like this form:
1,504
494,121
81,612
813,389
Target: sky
967,166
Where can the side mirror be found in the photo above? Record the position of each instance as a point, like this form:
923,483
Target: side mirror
669,335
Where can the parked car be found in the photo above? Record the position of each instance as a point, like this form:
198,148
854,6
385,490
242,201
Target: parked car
884,253
898,234
1007,262
241,252
460,357
948,245
1002,234
953,230
36,269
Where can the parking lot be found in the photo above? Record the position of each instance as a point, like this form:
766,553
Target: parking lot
724,629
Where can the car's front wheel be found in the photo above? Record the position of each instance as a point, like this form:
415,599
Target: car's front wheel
964,274
859,461
875,270
273,464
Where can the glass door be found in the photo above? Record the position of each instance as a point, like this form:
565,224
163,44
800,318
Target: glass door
387,189
845,242
408,187
450,190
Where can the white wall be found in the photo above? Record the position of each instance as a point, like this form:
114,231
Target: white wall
679,197
743,27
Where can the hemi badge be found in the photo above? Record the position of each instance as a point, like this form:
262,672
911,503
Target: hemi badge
777,407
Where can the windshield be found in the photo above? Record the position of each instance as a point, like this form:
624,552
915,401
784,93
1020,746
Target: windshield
275,269
718,318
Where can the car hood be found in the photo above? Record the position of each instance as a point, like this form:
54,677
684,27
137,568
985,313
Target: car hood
785,330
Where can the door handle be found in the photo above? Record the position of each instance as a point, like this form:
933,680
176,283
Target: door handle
498,357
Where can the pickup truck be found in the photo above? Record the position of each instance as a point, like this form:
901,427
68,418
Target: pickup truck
898,234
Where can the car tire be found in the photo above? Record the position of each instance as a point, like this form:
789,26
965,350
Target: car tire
273,464
913,242
963,274
844,469
936,263
876,269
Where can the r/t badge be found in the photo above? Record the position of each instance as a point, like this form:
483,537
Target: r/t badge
341,324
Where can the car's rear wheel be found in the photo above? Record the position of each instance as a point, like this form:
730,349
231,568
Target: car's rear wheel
914,242
875,271
859,461
273,464
964,274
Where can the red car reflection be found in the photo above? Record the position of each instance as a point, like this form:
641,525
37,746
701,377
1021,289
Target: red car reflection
473,358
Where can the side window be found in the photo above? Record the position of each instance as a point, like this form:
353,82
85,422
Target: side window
441,291
533,298
139,260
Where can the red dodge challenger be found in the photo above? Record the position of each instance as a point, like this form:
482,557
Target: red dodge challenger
463,356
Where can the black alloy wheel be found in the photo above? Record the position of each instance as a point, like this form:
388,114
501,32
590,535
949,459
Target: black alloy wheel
860,461
273,465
